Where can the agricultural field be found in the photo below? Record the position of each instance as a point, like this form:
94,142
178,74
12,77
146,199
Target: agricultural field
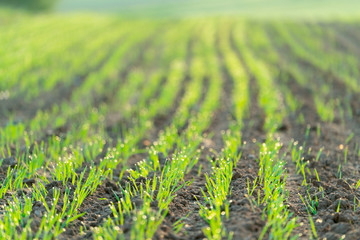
201,128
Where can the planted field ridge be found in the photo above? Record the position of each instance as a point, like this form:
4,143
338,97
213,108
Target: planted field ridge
214,128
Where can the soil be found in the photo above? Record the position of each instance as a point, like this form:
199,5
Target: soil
335,217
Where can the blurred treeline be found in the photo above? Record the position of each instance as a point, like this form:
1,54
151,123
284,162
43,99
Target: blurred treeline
33,5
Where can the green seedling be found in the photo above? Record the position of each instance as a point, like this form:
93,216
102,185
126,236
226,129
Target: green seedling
313,229
339,171
319,154
179,224
318,131
345,154
338,207
349,138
